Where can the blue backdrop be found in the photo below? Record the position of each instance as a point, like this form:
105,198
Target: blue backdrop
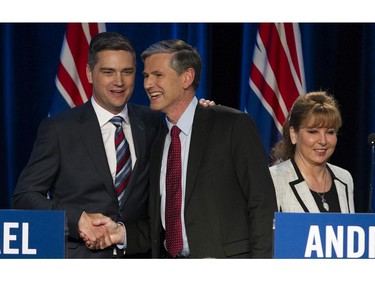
338,57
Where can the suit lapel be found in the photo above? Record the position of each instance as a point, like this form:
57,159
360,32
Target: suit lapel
301,190
199,135
342,192
139,140
305,197
138,133
155,170
92,138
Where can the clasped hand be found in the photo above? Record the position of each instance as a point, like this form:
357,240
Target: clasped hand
99,231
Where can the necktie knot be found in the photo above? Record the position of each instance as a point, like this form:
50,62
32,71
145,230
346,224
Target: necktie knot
175,131
117,121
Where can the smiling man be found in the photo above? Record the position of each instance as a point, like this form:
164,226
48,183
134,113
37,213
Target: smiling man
220,202
73,165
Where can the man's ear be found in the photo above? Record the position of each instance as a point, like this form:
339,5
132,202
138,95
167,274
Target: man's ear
88,74
188,76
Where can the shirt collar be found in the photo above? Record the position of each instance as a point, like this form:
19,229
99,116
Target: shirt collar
185,122
104,115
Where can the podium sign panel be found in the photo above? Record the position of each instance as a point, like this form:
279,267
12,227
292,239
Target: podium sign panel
324,235
32,234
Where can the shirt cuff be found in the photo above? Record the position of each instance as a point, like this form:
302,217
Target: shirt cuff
124,245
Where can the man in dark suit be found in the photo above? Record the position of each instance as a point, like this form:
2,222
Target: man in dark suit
225,196
73,163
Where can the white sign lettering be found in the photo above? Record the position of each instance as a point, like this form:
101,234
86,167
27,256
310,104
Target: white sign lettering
8,238
335,242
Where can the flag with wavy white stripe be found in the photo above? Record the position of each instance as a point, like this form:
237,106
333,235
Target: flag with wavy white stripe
277,73
71,81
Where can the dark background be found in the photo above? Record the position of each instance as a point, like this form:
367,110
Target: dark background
338,57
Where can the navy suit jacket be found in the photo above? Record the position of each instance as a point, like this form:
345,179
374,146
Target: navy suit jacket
69,164
230,198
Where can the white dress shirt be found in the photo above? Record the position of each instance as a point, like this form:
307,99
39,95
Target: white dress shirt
108,134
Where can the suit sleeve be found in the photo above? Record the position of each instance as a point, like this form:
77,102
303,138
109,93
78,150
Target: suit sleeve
256,183
37,177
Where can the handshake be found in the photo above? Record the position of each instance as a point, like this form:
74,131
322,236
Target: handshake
99,231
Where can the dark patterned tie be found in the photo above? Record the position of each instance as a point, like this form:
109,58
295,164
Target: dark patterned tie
173,227
124,166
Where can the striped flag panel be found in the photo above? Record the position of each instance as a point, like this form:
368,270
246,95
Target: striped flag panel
277,73
71,80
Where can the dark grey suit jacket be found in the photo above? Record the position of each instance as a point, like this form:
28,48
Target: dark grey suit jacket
230,199
69,163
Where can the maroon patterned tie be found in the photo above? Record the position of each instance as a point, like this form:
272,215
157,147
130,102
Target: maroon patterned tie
173,227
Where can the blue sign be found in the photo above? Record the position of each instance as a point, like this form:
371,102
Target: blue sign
324,235
32,234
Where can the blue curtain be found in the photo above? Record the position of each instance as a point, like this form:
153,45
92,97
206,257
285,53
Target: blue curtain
338,57
30,56
29,59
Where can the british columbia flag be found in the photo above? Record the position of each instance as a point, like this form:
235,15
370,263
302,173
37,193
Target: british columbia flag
276,77
71,82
